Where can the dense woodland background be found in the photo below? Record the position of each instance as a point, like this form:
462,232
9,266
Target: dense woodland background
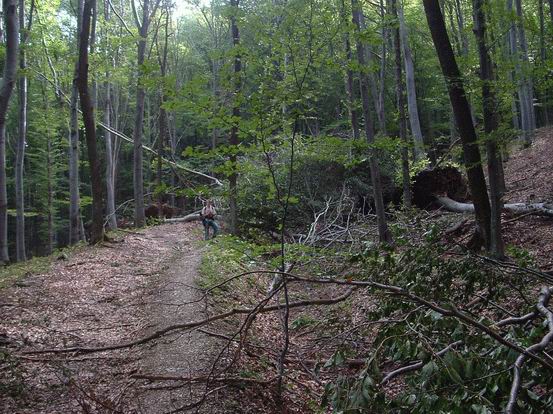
333,136
203,96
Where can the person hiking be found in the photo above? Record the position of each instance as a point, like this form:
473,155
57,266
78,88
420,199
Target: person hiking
208,214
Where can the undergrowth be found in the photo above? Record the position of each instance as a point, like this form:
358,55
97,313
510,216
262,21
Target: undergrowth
474,376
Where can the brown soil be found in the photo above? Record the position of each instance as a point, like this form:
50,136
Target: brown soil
105,295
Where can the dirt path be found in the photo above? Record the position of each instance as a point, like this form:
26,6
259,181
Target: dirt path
178,299
105,295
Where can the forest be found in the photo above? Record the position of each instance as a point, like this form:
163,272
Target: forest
276,206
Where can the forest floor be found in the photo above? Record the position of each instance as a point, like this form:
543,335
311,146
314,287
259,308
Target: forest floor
528,179
105,295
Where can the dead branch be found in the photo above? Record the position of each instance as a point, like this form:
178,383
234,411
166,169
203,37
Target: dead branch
416,365
517,320
130,140
203,379
193,324
543,301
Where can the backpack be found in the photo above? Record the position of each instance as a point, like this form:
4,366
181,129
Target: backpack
209,212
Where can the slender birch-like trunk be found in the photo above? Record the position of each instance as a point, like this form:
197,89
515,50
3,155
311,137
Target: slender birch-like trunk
414,119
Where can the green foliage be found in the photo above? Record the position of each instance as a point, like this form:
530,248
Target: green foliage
475,374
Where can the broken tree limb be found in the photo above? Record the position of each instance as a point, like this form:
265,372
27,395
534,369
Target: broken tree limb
188,218
193,324
154,152
541,307
128,139
416,365
539,209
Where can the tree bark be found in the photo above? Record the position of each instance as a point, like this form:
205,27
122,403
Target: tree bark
110,162
11,25
461,24
350,80
233,178
400,99
383,231
138,174
491,125
414,119
75,224
162,117
543,57
50,198
21,141
87,108
528,84
519,54
109,147
382,72
461,110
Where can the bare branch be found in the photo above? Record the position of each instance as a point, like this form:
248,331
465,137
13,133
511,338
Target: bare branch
543,301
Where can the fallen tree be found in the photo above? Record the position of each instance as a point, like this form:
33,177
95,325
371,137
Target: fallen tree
188,218
443,187
540,209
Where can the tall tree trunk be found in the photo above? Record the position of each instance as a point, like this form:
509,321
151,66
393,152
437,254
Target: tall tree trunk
50,198
173,144
528,84
110,161
162,117
76,233
400,99
519,56
350,80
87,108
108,136
491,125
414,119
138,174
216,95
11,27
461,110
382,72
383,231
21,141
543,57
233,213
461,24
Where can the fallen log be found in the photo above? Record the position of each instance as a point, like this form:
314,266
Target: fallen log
539,209
188,218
